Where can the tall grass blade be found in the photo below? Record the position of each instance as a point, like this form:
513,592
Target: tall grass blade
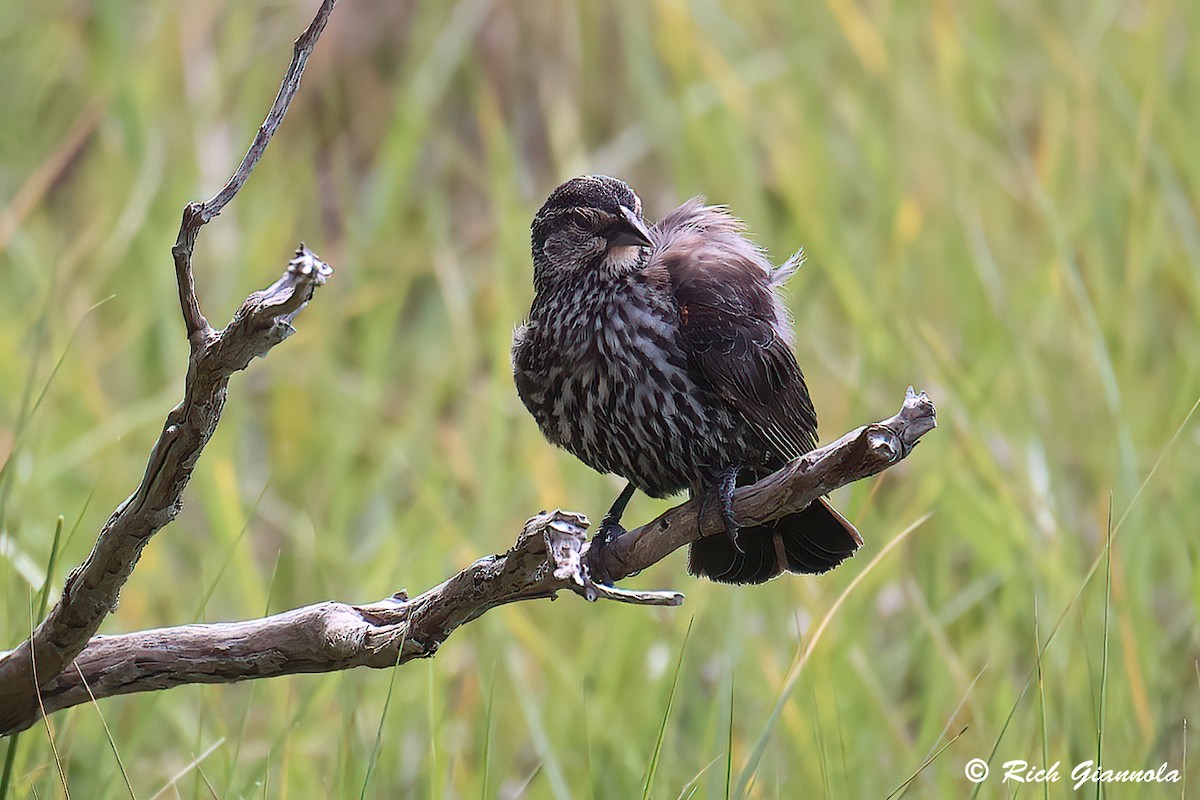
10,757
662,728
1115,530
108,733
387,701
62,775
191,765
729,743
1037,644
926,764
1104,649
805,651
903,789
690,787
487,734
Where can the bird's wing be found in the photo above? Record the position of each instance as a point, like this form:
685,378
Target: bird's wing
733,326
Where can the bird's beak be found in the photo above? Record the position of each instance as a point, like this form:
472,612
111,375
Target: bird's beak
629,231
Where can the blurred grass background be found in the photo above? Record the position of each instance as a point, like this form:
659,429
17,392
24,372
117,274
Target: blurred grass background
999,203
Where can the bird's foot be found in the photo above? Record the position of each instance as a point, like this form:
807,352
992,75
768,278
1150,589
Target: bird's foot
608,533
725,489
610,529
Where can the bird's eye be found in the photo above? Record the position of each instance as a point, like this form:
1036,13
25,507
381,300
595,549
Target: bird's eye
581,219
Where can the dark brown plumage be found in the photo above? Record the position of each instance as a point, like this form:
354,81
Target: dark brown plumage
664,356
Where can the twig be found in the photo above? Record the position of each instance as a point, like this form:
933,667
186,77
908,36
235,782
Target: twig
90,592
197,215
548,557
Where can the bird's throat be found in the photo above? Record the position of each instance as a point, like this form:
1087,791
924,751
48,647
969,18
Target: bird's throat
623,259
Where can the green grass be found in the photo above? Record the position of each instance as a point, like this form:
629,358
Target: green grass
662,729
999,205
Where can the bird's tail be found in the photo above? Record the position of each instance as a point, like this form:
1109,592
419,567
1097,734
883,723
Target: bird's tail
814,540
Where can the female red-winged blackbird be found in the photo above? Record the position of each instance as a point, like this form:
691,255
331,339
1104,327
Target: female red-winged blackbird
663,355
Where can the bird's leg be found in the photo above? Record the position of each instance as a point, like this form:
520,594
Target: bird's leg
726,484
610,525
610,529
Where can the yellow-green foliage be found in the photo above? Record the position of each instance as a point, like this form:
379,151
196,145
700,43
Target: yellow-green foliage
999,205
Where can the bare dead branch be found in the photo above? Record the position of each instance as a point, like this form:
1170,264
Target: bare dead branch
301,50
197,215
549,556
91,590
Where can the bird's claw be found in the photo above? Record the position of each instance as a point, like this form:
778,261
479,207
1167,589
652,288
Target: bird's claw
608,533
725,490
731,530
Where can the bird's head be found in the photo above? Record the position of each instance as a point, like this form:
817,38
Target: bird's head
593,222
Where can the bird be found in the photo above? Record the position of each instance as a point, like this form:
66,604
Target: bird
663,354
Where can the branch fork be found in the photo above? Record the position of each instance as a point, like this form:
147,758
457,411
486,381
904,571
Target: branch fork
91,590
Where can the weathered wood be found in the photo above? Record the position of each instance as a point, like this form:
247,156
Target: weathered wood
549,556
91,590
